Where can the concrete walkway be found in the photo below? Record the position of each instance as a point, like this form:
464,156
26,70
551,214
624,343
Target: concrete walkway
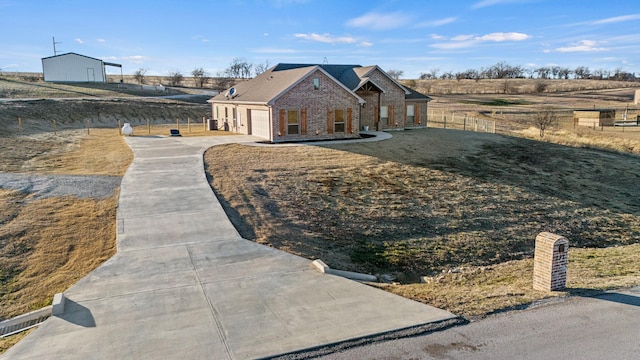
184,284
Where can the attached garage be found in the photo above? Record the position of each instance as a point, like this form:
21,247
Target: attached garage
260,123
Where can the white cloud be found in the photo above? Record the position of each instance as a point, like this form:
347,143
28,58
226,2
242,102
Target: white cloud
500,36
265,34
440,22
487,3
438,37
101,40
378,21
136,59
365,44
464,41
462,37
200,38
581,46
326,38
79,41
617,19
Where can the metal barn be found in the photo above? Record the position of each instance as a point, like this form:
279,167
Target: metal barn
72,67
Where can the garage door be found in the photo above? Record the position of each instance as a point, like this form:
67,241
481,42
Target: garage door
260,123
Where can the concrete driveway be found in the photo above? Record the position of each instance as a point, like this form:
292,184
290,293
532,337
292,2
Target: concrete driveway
184,284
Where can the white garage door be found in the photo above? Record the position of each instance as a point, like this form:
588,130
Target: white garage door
260,123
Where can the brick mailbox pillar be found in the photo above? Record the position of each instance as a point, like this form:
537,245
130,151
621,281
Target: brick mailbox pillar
550,262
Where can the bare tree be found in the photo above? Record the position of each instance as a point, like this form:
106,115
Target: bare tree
545,118
139,75
582,72
395,74
239,68
200,76
175,78
260,68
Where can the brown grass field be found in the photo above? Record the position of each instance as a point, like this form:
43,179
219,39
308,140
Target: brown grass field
460,209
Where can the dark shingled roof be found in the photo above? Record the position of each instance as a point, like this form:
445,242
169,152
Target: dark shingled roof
271,84
414,95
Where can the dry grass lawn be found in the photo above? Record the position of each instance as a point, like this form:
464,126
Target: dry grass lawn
433,200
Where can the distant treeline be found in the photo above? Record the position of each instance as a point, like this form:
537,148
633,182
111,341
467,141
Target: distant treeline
503,70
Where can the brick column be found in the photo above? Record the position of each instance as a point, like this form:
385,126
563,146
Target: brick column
550,262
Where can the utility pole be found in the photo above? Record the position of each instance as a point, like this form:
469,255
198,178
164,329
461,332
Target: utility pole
54,46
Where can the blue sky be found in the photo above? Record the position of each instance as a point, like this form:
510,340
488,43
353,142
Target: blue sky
413,36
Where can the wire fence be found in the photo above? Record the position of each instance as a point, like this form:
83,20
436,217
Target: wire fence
459,121
29,127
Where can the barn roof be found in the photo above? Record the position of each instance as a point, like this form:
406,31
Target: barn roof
85,56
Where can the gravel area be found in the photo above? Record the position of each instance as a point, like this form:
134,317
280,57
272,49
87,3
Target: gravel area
45,186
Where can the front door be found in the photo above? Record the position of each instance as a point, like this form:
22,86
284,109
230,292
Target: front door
369,113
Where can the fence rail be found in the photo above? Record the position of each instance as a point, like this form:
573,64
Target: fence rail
460,121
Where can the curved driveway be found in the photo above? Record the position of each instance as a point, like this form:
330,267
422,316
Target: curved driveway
184,284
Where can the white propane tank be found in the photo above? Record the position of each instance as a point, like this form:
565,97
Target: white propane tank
127,129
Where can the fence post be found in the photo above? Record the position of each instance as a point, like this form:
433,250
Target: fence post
464,122
189,124
475,126
177,123
445,122
148,127
88,126
119,128
55,130
494,127
204,124
20,126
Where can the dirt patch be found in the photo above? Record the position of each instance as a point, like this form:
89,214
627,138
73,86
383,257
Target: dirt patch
426,200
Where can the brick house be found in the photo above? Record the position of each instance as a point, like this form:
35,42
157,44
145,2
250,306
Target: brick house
298,102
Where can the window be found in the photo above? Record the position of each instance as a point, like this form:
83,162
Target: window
411,114
316,83
292,122
384,114
235,120
338,122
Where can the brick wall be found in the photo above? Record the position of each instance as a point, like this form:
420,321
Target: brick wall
393,95
330,95
421,110
550,262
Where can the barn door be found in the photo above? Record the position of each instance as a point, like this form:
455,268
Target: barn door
91,75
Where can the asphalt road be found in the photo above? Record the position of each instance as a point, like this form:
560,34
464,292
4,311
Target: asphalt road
601,327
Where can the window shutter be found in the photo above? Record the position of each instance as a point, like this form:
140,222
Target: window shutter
392,114
303,121
329,121
376,116
416,113
283,123
349,121
405,114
